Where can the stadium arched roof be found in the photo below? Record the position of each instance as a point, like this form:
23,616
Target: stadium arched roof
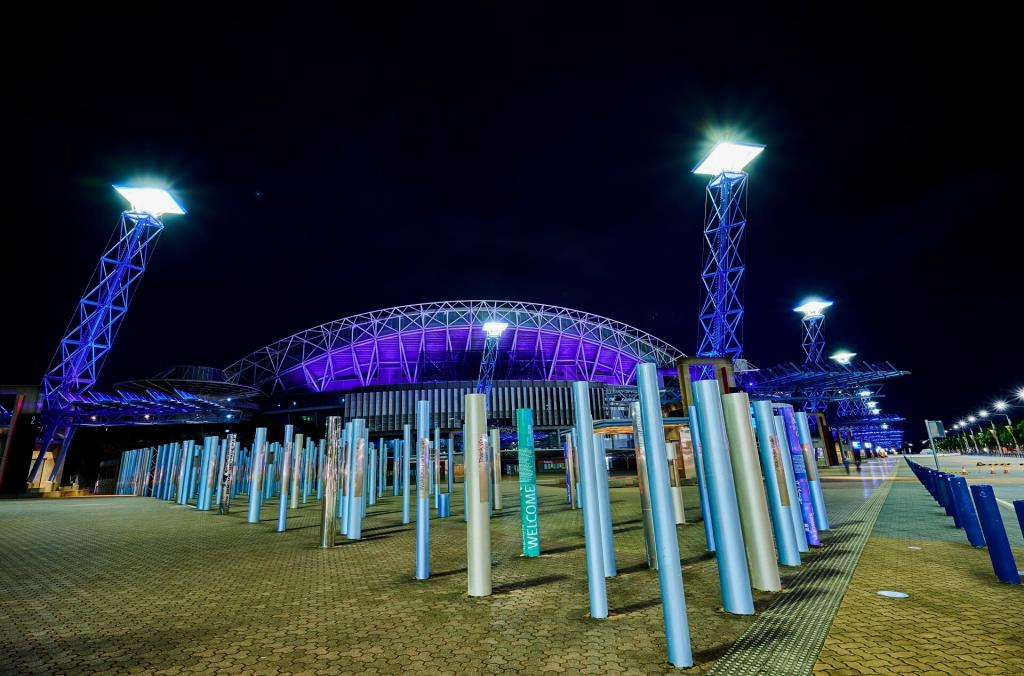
443,341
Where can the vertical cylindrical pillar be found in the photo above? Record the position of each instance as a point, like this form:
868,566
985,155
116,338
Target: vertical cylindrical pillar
787,467
528,519
228,473
357,473
640,449
259,453
674,461
604,506
570,473
999,550
1018,507
297,451
496,468
450,469
650,425
423,489
183,474
592,532
800,475
811,465
382,467
321,454
733,574
344,473
776,488
210,479
476,477
371,481
329,484
286,470
436,460
219,476
404,468
702,483
757,529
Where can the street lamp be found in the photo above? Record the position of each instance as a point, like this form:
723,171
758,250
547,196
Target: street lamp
1001,406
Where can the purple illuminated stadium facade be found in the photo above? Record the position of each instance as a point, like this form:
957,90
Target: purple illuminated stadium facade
375,365
443,341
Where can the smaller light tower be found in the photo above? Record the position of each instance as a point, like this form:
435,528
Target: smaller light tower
813,310
493,330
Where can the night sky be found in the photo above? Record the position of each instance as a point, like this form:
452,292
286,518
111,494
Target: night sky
334,163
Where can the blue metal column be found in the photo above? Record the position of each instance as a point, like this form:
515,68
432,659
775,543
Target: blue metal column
259,452
733,574
423,490
811,465
670,573
787,467
604,507
702,481
404,467
800,476
286,467
591,515
776,488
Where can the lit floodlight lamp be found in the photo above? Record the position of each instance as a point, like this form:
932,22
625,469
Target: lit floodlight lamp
1000,405
971,418
956,426
864,393
875,411
728,157
963,423
813,307
885,426
843,357
982,413
153,201
495,329
1020,393
872,404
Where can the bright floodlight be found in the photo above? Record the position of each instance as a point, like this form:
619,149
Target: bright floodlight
983,413
1020,393
843,357
150,200
494,329
963,423
872,404
971,418
728,157
1000,405
864,393
812,307
885,426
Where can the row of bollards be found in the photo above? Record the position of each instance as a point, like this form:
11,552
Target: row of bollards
955,497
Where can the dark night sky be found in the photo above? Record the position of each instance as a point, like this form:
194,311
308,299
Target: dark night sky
334,163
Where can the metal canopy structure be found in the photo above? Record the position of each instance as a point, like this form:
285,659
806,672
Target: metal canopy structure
94,409
792,382
444,341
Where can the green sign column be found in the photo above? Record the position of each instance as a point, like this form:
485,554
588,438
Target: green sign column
527,483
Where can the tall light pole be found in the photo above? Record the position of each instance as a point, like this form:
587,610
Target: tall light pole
970,430
721,314
1001,406
995,433
813,310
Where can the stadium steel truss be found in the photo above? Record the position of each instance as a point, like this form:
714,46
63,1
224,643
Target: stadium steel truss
444,341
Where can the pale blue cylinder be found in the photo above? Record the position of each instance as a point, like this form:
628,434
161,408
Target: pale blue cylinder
286,465
422,490
776,487
347,446
733,574
371,481
604,506
591,514
259,451
404,468
670,573
702,484
357,469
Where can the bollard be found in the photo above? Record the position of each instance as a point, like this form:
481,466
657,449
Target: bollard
995,534
444,505
965,508
1018,506
947,486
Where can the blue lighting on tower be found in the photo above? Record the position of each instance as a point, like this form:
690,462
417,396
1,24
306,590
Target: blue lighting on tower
91,332
493,330
721,314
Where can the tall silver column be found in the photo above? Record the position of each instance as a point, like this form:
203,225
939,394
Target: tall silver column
329,504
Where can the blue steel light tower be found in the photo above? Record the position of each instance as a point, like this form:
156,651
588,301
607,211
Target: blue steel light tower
813,322
493,331
91,332
721,314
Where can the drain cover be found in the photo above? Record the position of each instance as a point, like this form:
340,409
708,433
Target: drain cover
893,594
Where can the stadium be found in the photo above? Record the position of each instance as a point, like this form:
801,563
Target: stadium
376,365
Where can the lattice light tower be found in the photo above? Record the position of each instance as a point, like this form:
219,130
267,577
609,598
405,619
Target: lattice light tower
721,314
493,330
92,329
813,310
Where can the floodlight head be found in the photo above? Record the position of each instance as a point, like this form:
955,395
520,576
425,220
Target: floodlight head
963,423
843,357
956,426
876,411
983,413
864,393
154,201
1000,405
813,307
1020,393
728,157
494,329
971,418
872,404
885,426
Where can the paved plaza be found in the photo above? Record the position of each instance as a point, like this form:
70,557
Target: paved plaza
134,585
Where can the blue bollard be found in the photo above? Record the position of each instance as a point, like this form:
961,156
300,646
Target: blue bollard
1018,506
947,482
995,534
965,508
